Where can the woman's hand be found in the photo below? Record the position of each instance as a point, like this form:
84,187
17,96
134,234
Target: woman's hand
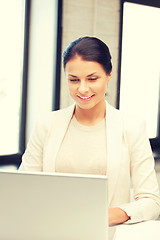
117,216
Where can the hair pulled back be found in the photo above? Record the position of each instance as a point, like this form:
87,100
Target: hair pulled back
90,49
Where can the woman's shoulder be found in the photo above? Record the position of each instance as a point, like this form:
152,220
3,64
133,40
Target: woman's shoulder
63,111
130,122
133,123
134,128
56,117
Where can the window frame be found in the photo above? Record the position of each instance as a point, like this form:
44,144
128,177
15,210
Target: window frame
155,142
57,77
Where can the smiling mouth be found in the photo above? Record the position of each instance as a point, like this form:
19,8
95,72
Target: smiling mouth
85,98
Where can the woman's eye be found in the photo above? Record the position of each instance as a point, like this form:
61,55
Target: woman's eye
74,80
92,78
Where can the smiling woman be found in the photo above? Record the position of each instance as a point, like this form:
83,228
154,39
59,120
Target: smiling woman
88,67
87,87
92,137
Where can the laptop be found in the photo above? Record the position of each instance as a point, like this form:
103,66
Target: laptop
44,206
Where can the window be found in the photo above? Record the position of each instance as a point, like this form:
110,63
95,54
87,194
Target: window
140,64
12,18
27,63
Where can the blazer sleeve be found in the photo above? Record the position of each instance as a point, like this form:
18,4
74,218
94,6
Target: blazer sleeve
145,186
32,159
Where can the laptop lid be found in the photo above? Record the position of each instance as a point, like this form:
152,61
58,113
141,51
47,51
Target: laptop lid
40,206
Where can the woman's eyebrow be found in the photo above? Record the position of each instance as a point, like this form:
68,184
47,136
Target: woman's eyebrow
71,75
91,74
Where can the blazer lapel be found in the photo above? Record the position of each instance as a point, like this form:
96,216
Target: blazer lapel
114,147
59,128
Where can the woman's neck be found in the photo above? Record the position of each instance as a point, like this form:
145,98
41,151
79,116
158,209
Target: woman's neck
91,116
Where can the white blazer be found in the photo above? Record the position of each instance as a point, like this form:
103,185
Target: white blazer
129,159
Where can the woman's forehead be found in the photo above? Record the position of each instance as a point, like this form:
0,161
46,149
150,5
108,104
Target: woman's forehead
78,65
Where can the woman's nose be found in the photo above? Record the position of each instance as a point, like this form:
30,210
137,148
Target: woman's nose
83,87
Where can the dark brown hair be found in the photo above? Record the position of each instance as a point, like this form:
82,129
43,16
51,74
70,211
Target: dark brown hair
90,49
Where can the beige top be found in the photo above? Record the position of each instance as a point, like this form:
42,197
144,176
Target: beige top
83,149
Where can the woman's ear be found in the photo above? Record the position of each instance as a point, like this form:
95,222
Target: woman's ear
110,76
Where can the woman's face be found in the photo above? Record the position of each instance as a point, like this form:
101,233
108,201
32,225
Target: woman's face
87,82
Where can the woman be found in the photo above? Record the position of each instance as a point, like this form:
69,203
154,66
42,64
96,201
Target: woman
94,138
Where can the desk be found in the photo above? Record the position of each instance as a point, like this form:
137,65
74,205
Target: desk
149,230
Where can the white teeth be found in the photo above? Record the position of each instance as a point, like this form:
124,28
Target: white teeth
85,97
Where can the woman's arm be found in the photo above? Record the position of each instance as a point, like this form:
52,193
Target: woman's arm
117,216
32,159
145,187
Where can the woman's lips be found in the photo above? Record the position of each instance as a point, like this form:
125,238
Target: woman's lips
85,98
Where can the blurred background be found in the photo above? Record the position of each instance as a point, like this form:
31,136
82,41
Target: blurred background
34,34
